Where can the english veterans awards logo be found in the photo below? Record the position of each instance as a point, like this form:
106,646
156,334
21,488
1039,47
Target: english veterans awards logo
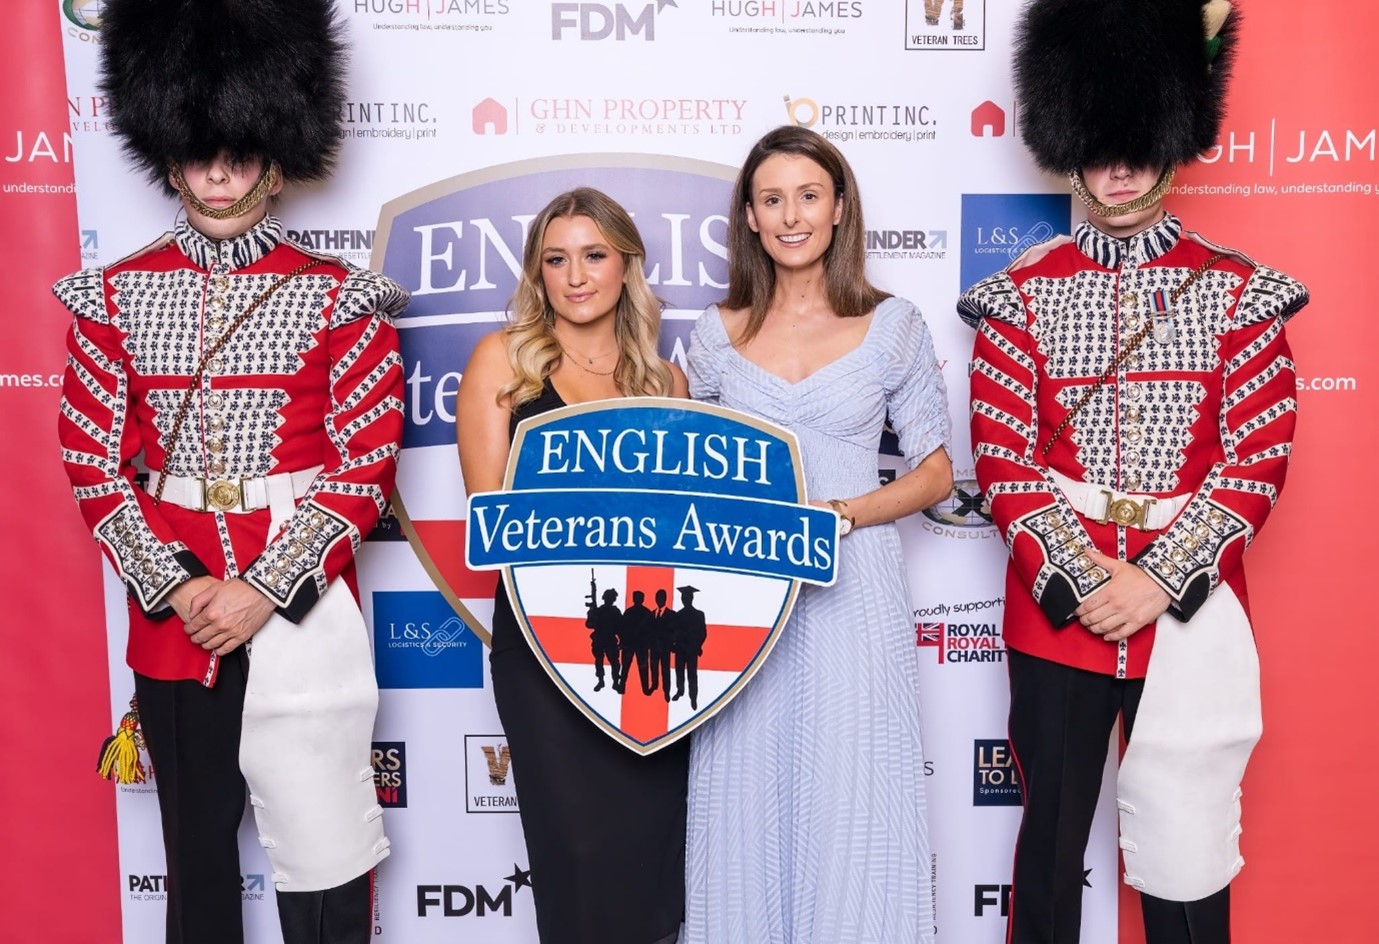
653,549
456,245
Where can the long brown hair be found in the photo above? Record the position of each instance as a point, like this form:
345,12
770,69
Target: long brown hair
752,273
533,351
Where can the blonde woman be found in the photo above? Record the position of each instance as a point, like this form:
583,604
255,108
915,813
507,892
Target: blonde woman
605,828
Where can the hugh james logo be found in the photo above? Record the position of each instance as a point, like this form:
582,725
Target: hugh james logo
488,774
612,510
998,227
618,21
945,25
995,777
457,246
420,643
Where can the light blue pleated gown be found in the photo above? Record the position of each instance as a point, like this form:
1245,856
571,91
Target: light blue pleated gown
807,810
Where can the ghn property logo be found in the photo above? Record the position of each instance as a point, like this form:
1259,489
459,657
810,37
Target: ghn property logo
988,120
390,773
477,901
610,114
998,227
488,774
620,22
419,642
995,776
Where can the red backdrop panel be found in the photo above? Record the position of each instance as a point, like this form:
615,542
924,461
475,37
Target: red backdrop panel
1302,117
59,817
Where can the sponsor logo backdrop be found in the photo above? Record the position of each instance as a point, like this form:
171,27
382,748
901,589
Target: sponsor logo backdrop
443,89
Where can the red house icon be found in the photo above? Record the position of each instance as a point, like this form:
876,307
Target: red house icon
490,114
988,115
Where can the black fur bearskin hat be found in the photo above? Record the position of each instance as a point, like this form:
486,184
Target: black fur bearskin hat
256,78
1105,81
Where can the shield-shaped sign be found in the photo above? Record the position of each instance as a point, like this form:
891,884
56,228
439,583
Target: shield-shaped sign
652,550
456,245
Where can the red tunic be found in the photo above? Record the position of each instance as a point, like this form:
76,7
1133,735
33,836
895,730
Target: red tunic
1204,409
312,378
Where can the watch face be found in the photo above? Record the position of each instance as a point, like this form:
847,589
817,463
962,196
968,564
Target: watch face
844,526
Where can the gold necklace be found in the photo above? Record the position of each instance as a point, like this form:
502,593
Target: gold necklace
590,370
267,178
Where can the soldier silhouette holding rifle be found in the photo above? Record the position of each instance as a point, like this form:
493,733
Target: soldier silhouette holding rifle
690,632
606,623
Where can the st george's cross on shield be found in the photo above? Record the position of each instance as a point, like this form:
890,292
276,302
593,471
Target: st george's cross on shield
652,550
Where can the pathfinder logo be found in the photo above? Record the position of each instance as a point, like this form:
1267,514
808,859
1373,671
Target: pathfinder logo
148,887
907,244
390,773
488,774
995,776
461,901
595,21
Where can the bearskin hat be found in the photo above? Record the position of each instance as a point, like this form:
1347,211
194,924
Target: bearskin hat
1139,81
185,79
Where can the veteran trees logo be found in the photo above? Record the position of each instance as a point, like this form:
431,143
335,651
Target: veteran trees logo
652,550
457,246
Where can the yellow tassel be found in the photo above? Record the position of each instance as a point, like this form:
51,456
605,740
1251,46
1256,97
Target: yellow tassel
120,753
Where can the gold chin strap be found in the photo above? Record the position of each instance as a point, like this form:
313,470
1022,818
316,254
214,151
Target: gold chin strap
1143,201
257,194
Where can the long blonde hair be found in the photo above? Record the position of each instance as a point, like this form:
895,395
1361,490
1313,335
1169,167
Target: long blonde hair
534,352
752,273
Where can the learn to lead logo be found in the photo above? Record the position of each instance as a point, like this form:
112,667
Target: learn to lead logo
456,245
617,21
650,544
998,227
419,642
995,777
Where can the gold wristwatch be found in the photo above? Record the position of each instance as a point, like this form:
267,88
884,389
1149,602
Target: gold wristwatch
845,521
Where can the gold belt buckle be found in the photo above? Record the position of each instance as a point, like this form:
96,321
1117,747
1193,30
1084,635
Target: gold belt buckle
223,495
1126,512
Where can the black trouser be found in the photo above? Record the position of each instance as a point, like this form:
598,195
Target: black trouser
1060,726
192,733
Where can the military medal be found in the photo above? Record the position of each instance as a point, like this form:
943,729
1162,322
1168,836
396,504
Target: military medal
1163,317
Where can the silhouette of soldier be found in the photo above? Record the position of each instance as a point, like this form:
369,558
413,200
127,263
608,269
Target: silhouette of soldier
606,622
636,626
690,632
661,643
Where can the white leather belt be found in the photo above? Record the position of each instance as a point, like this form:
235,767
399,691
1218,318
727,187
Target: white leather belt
233,495
1127,509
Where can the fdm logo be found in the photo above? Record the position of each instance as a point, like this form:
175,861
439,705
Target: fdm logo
478,901
995,778
419,642
998,227
594,21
